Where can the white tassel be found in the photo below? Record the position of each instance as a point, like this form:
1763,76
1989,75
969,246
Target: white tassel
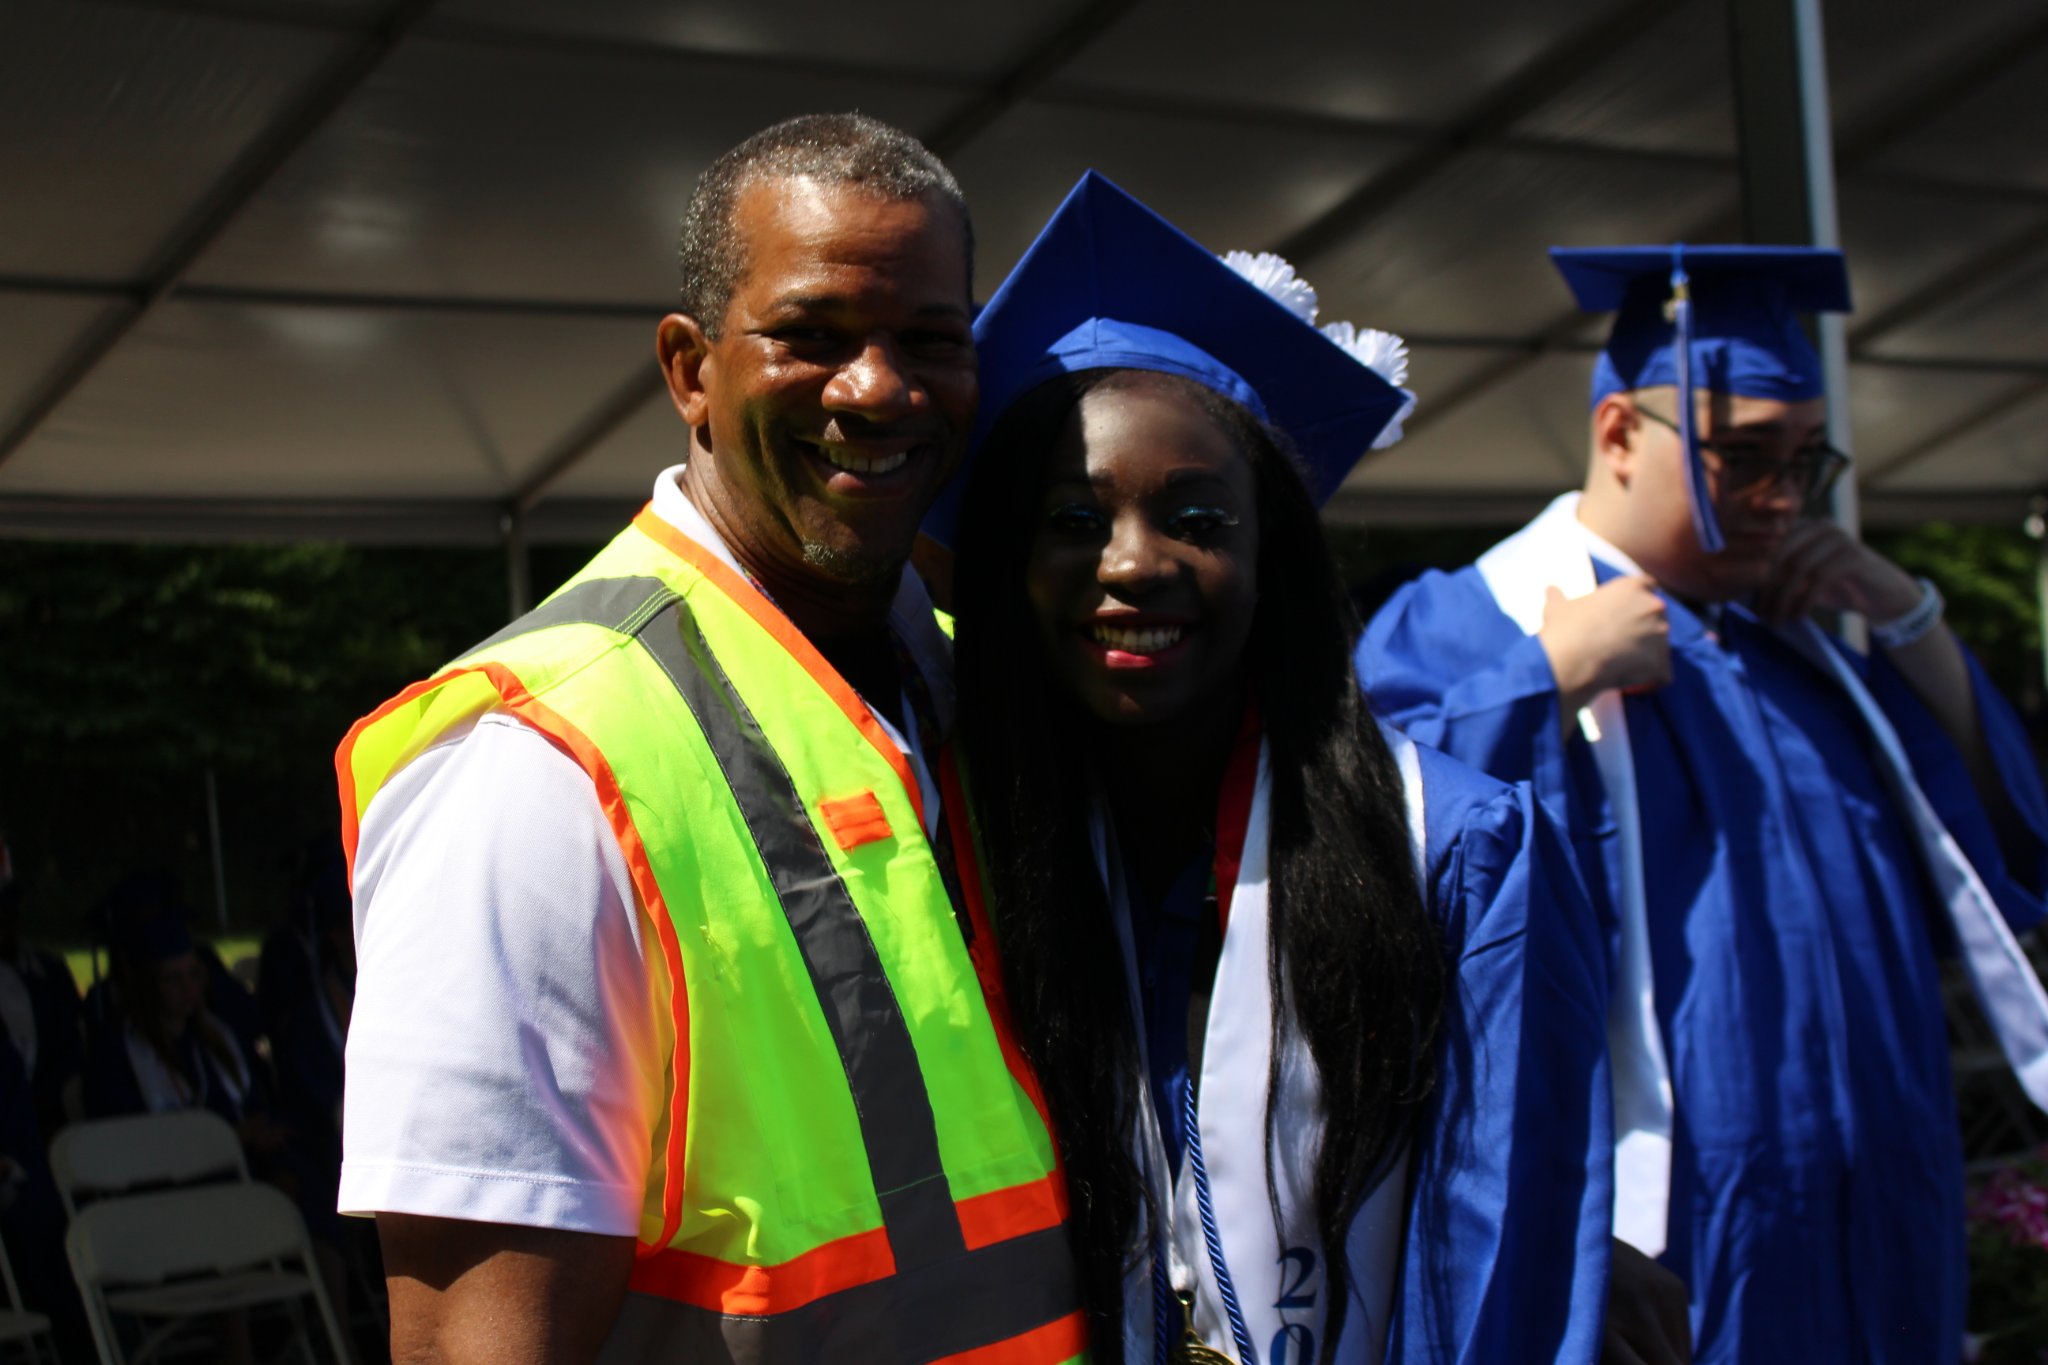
1277,278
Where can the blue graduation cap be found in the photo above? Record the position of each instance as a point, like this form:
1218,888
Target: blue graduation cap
1109,284
1722,318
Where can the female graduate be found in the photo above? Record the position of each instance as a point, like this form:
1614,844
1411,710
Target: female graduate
1318,1014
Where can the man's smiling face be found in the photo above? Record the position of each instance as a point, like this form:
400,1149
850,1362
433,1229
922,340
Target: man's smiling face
837,396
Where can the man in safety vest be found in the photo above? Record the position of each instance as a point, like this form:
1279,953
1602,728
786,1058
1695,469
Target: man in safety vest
676,1034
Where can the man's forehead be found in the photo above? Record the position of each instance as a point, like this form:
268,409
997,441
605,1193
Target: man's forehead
803,206
804,237
1742,410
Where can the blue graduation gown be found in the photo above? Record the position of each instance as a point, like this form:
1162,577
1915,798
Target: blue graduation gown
1816,1203
1507,1244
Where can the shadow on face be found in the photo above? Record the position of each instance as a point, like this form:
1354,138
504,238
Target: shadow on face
1142,569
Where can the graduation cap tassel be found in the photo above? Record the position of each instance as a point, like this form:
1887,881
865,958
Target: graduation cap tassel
1704,524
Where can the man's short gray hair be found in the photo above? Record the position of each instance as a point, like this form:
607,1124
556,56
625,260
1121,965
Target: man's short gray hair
836,149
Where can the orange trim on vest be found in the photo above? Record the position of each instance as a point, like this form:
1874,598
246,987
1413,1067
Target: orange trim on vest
345,773
855,820
758,1290
1061,1339
1002,1214
572,741
770,618
981,950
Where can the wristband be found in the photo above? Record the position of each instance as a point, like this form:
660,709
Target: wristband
1901,631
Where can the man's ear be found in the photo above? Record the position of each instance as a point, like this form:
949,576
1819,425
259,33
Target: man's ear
1615,422
685,355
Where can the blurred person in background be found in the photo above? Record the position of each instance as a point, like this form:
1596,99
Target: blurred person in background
306,989
125,917
161,1049
1785,830
40,1010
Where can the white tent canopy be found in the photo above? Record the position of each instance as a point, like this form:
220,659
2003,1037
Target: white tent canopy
391,272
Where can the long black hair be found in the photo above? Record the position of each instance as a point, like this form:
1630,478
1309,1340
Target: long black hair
1354,955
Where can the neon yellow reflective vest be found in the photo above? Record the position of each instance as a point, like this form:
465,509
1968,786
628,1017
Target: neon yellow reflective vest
854,1163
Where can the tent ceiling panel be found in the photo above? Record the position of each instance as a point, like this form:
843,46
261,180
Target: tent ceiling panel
2005,454
114,121
948,39
1016,173
480,172
498,197
212,400
625,464
1434,371
2000,314
1992,134
1395,62
35,332
1665,91
1526,434
1896,410
1882,53
1465,254
1901,239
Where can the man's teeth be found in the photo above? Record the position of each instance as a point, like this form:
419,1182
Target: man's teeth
861,464
1148,641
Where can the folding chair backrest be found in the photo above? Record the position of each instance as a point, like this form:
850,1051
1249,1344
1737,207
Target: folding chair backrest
109,1156
207,1229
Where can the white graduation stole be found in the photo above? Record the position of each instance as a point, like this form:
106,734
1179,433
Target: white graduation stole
1552,551
1277,1272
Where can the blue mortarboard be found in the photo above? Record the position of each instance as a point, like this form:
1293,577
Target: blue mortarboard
1722,318
1109,284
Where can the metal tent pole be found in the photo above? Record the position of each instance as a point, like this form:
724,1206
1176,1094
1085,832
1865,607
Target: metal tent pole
1787,164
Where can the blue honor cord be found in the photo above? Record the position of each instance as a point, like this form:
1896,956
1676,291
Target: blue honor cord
1163,1298
1704,524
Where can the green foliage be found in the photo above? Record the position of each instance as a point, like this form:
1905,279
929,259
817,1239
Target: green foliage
233,656
130,672
1987,575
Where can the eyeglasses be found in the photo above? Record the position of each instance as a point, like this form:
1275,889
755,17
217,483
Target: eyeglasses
1750,473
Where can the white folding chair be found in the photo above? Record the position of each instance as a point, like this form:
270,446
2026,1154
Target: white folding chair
171,1257
112,1156
18,1326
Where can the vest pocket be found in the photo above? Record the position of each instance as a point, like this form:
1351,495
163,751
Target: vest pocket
855,820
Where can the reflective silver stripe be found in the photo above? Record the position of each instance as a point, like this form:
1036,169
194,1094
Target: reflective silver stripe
860,1005
620,604
974,1299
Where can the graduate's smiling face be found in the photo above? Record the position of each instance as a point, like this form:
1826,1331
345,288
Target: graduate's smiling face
1142,574
1746,435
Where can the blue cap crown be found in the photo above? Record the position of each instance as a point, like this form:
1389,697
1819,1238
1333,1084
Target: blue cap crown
1109,284
1746,337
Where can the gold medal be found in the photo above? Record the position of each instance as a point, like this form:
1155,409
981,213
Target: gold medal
1191,1349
